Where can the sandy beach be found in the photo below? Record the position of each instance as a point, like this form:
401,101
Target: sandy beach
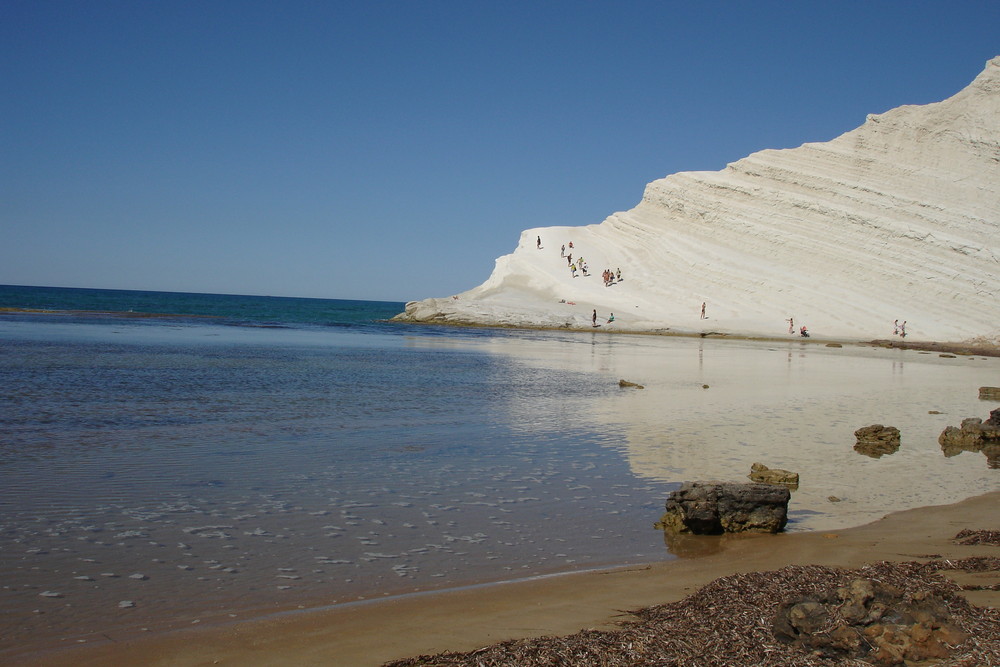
371,634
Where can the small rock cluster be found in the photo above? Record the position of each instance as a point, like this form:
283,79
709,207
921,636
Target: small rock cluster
870,620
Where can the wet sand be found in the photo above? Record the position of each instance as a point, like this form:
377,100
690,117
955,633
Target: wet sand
373,633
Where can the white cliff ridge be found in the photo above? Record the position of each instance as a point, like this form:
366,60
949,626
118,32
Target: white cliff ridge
898,219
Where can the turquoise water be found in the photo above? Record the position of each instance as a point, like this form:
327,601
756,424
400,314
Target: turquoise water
226,308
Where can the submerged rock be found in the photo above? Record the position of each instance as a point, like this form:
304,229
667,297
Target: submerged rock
877,440
989,393
762,474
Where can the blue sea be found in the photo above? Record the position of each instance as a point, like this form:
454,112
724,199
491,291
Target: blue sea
170,459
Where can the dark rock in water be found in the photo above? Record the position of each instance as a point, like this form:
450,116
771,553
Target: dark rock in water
989,393
711,508
762,474
871,621
626,383
974,435
877,440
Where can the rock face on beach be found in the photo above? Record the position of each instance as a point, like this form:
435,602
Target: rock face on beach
895,220
711,508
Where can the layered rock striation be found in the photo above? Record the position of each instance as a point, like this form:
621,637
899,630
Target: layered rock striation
897,220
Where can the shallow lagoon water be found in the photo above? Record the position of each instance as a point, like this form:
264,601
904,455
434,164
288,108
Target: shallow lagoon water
202,472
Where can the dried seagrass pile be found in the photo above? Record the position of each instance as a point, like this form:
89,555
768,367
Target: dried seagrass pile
969,537
732,621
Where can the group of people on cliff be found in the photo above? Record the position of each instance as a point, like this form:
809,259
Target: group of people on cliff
612,277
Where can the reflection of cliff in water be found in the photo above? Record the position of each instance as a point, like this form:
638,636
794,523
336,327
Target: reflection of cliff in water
797,408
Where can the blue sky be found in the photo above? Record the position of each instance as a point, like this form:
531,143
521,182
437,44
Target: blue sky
393,150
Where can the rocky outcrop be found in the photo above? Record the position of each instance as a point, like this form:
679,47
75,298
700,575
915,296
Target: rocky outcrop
989,393
877,440
871,621
712,508
974,435
761,474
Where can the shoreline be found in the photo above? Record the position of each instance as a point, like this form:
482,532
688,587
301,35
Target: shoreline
468,618
961,348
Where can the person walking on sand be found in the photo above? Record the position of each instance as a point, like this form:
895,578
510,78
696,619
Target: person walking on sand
538,243
569,258
593,318
703,310
791,325
572,268
902,329
562,251
895,328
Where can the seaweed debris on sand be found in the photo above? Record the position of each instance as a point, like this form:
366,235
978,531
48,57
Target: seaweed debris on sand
737,620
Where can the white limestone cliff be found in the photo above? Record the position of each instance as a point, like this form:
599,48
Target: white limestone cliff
897,219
